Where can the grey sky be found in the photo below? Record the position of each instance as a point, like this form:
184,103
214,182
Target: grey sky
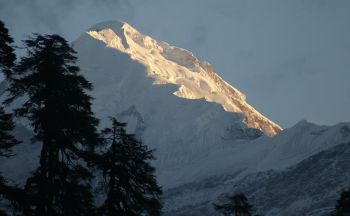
290,57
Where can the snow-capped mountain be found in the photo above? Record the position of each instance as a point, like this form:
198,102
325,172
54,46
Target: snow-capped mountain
176,104
208,140
167,64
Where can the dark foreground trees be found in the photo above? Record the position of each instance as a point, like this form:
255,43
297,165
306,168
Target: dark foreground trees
343,204
60,113
48,90
7,61
236,205
9,194
7,55
129,178
7,139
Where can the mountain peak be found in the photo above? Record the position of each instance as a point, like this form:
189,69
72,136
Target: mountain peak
168,64
111,24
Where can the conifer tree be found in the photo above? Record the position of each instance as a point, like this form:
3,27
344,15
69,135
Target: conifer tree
60,113
130,181
7,140
7,59
237,205
8,193
343,204
7,55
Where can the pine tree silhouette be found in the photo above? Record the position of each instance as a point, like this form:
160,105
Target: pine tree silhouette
130,182
343,204
7,55
60,113
7,59
9,194
237,205
7,140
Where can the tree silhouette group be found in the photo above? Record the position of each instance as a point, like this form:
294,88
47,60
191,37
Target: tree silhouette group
52,94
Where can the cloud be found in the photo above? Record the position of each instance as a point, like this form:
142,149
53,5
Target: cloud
66,17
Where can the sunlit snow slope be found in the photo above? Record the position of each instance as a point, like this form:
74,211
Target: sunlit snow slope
172,65
173,102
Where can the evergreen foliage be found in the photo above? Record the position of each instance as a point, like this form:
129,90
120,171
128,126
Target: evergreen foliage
60,113
10,196
7,59
7,55
237,205
129,178
343,204
7,140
